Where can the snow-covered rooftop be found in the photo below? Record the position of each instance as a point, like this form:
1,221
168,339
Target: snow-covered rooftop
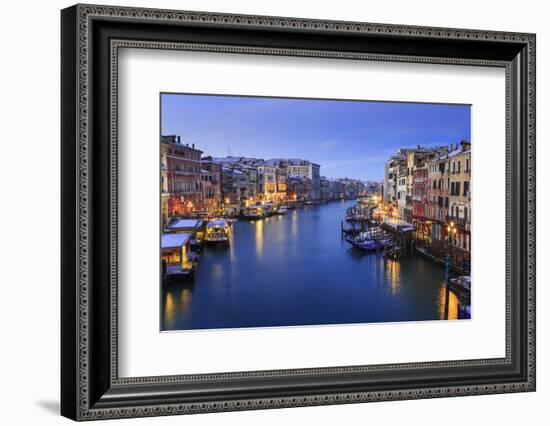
185,223
169,241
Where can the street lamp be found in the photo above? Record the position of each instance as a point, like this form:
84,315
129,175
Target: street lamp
451,236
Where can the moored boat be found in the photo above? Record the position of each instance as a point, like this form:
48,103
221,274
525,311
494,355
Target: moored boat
364,244
463,281
368,242
283,210
217,231
254,212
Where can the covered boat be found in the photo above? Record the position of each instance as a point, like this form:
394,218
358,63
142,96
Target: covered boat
217,231
283,210
254,212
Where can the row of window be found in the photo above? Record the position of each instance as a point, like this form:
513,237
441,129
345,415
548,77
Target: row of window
209,178
184,186
184,167
455,212
188,154
453,186
452,167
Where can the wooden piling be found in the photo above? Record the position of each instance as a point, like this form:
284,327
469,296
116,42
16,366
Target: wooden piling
446,314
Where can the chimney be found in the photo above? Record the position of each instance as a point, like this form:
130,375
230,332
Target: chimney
193,146
178,137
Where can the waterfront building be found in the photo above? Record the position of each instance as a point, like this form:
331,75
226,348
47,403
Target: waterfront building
267,181
407,159
373,187
351,188
335,189
211,183
401,193
459,212
180,177
324,189
420,199
449,195
241,185
416,158
252,173
298,188
438,200
229,185
305,168
235,187
392,169
280,176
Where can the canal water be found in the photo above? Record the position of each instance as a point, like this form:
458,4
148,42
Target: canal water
298,270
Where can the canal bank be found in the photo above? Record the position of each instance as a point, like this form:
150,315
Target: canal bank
295,269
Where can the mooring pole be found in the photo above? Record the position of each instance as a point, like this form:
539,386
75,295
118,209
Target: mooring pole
446,300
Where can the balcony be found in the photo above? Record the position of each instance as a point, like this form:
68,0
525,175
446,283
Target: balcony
185,172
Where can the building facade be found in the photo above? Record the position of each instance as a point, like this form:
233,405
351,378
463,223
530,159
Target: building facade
402,193
459,212
180,177
267,182
211,184
420,199
449,200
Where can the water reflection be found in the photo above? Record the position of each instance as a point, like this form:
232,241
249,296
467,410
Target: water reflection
297,270
176,304
259,236
393,275
294,224
453,304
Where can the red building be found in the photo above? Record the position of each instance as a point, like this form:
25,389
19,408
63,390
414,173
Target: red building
420,198
180,177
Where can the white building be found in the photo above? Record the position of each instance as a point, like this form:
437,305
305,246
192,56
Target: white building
402,193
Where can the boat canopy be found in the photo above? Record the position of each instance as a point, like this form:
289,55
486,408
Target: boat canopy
217,222
398,224
174,241
185,224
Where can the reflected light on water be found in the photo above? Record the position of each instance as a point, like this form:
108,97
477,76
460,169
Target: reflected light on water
393,275
294,225
453,304
232,251
259,237
176,306
185,298
217,273
169,308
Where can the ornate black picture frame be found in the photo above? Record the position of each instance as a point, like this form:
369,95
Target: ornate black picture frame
91,36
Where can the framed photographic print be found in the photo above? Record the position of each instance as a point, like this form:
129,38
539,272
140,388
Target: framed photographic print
263,212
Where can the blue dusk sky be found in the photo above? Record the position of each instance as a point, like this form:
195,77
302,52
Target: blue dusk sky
347,138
